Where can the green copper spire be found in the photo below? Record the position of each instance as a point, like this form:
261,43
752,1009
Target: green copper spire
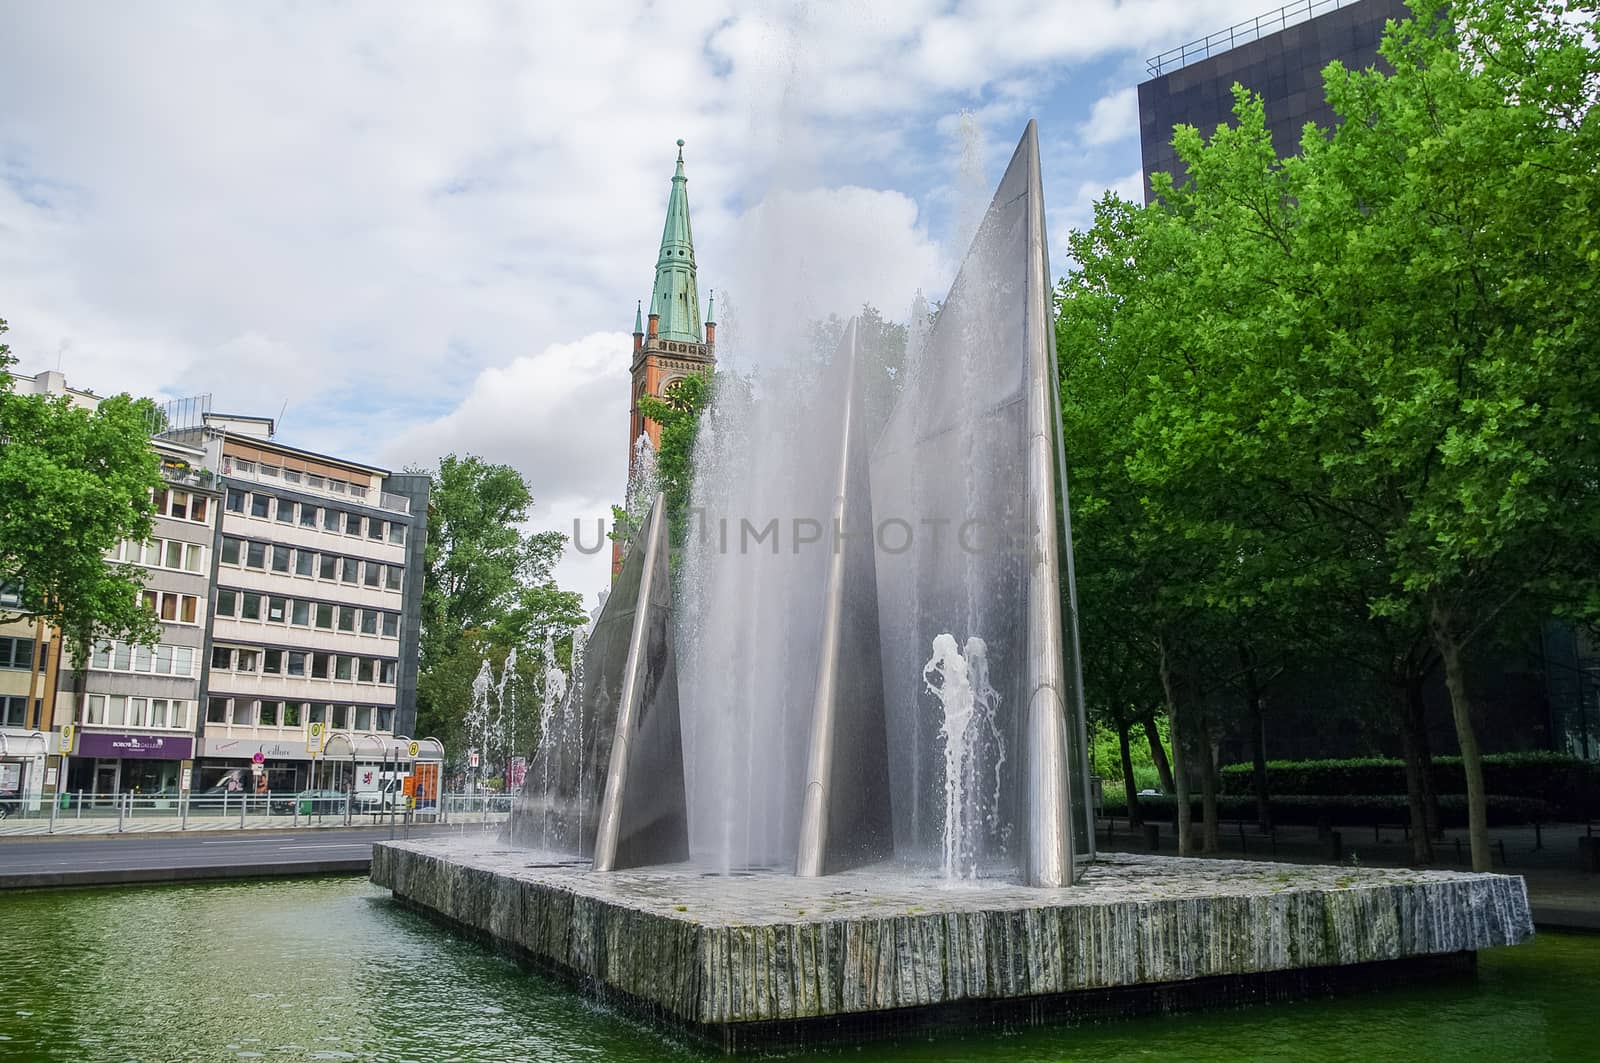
711,308
638,318
675,297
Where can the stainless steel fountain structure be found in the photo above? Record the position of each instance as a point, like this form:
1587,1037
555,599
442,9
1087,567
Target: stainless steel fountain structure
972,443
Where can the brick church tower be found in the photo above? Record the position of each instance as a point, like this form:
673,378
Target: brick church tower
670,343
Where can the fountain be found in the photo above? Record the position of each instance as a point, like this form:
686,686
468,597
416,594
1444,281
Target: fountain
860,824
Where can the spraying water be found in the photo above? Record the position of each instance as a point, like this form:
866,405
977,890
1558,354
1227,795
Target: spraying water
970,734
477,721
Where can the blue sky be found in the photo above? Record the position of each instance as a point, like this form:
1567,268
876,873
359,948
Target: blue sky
419,228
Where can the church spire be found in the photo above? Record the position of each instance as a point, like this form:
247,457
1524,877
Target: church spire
676,297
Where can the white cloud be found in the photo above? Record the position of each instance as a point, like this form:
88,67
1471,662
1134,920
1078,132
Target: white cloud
1112,118
366,210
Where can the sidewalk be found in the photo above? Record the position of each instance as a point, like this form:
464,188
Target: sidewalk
1564,897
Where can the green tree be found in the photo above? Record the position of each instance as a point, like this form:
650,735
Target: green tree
73,483
1371,408
488,586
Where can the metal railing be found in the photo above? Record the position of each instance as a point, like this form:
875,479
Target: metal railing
1291,14
120,812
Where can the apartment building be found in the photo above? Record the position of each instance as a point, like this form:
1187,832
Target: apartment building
135,707
315,606
287,586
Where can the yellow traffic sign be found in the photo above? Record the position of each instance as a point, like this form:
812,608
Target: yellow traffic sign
67,731
413,749
314,738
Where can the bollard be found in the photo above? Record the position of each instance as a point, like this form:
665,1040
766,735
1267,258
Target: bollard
244,806
121,804
1152,836
80,804
55,800
348,798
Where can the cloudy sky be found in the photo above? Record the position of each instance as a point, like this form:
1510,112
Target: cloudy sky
407,229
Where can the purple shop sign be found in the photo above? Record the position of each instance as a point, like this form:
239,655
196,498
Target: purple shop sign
153,747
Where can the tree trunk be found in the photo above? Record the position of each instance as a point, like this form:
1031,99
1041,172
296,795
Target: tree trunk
1444,637
1416,769
1210,832
1180,767
1129,787
1158,753
1258,740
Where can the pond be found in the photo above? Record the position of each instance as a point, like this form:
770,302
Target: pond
331,968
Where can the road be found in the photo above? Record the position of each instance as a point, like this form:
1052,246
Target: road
103,859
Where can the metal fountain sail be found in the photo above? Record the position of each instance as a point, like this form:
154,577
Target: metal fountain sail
971,464
844,817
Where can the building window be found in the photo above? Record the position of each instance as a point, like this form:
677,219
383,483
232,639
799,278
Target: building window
291,713
245,660
230,550
222,658
285,511
397,533
250,606
341,717
277,609
363,717
364,670
328,566
325,616
374,528
281,558
387,673
300,613
291,476
272,662
347,618
244,466
374,574
172,608
316,712
269,713
305,563
391,625
350,570
227,603
16,653
235,500
308,515
341,666
352,524
297,663
332,519
385,718
319,666
392,576
259,503
369,621
255,555
217,710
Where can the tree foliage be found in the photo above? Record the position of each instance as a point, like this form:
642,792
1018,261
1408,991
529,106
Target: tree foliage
488,587
73,483
1348,399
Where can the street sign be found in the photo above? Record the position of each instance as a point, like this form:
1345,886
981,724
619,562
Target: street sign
67,731
258,758
257,768
472,759
413,749
314,739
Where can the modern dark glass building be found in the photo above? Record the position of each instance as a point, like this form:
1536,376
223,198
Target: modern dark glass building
1279,55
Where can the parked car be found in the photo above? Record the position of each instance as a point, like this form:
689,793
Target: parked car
310,803
388,795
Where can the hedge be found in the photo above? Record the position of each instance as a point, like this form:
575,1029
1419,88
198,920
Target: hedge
1570,785
1340,810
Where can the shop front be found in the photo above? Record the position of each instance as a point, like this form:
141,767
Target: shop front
106,763
230,764
22,762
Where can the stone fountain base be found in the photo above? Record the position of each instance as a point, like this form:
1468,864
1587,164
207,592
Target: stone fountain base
757,959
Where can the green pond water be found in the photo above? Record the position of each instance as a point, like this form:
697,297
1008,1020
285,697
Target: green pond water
330,968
